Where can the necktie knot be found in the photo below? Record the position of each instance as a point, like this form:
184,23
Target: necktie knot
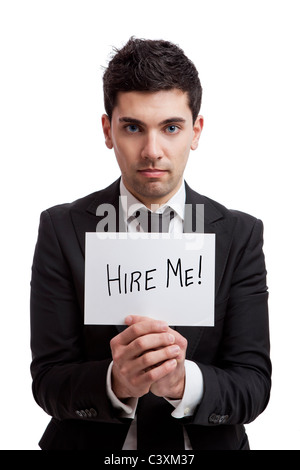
154,221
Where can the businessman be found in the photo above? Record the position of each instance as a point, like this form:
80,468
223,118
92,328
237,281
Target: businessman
149,385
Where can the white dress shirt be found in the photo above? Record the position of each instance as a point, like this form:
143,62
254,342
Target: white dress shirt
193,376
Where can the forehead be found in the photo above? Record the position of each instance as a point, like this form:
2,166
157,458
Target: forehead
152,105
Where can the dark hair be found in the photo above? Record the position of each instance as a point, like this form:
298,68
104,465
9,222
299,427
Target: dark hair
151,65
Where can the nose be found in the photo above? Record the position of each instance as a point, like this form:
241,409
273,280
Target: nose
151,147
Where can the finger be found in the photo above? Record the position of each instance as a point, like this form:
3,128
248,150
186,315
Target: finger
135,367
155,358
150,342
172,385
179,339
145,378
131,319
142,328
140,346
160,371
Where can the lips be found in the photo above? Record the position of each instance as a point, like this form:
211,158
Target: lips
152,172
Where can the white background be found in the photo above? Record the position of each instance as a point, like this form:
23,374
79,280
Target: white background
52,151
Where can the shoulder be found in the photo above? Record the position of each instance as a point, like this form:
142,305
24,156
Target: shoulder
215,213
239,215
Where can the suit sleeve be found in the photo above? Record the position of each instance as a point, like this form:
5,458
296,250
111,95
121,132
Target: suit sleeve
237,385
64,383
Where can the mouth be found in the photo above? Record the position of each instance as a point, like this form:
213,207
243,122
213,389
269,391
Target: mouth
152,172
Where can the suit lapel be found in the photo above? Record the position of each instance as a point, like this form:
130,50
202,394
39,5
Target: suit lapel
214,222
86,218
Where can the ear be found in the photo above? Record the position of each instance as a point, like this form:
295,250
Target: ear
197,129
106,126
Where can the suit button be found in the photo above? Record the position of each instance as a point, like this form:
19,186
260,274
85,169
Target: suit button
93,412
88,413
214,418
218,419
223,419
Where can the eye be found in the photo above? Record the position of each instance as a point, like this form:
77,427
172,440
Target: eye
132,128
172,129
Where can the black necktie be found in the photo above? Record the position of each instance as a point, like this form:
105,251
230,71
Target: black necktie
156,428
153,221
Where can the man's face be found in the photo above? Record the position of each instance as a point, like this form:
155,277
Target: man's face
152,135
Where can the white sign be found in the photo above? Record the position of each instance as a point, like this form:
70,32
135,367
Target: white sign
156,275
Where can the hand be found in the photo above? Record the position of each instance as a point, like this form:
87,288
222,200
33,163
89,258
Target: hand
171,385
143,354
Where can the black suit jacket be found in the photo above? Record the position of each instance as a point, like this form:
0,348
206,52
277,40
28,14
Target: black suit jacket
70,360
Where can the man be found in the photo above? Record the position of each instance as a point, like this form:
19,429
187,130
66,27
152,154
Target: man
108,387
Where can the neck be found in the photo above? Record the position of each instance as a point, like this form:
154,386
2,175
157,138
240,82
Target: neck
153,201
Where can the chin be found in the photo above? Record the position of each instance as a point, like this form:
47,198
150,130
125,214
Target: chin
154,189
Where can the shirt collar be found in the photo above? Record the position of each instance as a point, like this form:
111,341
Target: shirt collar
130,204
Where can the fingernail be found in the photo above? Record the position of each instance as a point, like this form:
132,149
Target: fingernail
163,326
175,349
128,320
171,338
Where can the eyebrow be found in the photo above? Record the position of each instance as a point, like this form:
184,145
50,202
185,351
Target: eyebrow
170,120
